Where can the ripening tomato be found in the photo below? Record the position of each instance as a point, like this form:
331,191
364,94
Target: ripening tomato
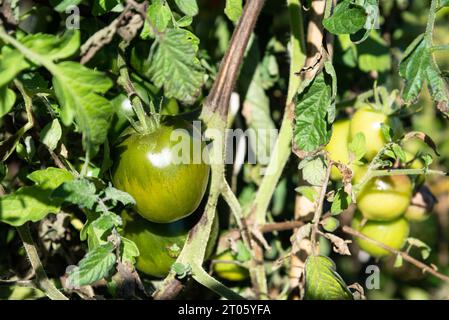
369,122
391,233
338,146
160,243
415,163
416,213
162,170
229,271
385,198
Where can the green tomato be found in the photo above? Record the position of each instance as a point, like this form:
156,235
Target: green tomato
391,233
167,178
385,198
338,146
229,271
369,122
160,243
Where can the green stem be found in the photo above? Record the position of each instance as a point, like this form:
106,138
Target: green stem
370,174
431,21
442,47
125,81
29,54
42,281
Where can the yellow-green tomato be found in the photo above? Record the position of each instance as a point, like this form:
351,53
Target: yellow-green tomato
369,122
229,271
385,198
338,146
391,233
159,244
416,213
164,170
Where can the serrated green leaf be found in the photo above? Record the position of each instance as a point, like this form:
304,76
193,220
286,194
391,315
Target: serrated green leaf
188,7
311,109
80,192
129,250
313,170
322,280
159,14
51,134
175,66
78,90
341,202
95,265
309,192
243,253
53,47
358,146
11,63
347,18
418,67
399,153
32,203
234,9
116,195
7,100
104,6
374,54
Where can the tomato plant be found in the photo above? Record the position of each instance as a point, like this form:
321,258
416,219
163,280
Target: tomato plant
238,136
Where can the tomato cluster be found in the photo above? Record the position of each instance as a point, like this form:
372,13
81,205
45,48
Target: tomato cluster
383,203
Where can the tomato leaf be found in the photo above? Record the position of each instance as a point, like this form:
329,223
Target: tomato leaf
51,134
116,195
7,100
341,202
33,203
313,170
188,7
95,265
129,250
11,63
175,66
347,18
78,90
159,14
417,67
80,192
322,280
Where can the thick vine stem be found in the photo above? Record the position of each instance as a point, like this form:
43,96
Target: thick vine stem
42,281
404,255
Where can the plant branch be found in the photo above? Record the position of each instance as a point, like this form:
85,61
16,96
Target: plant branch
424,267
319,208
42,281
431,21
218,99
